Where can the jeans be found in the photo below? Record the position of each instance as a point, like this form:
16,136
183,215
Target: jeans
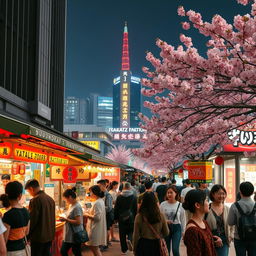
174,237
245,246
40,249
125,232
222,251
76,249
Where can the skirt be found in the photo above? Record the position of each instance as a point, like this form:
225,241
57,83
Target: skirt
17,253
149,247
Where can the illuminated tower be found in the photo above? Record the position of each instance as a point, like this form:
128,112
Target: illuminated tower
126,92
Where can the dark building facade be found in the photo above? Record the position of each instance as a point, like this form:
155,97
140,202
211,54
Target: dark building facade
32,57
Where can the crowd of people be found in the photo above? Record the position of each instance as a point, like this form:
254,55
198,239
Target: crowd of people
152,217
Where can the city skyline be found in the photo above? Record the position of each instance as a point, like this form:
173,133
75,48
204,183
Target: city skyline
94,45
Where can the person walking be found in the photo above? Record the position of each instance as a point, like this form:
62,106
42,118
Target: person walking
113,192
217,218
3,250
42,219
149,188
185,190
175,216
96,225
244,207
16,221
109,210
161,190
73,223
125,212
145,241
198,237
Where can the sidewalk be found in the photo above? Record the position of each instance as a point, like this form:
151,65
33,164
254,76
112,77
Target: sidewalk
114,250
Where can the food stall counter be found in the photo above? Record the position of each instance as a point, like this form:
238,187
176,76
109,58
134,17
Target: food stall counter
57,242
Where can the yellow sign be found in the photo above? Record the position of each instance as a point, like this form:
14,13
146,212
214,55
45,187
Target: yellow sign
92,144
55,160
56,173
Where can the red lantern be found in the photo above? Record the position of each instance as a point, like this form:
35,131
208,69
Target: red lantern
94,175
219,160
22,169
15,168
185,164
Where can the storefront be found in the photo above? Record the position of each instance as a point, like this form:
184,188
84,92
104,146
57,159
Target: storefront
55,160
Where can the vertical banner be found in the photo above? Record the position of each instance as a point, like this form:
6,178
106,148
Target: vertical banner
125,99
230,185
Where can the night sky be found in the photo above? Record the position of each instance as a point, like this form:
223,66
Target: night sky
95,29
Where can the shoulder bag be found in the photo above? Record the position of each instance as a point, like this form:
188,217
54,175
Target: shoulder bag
162,243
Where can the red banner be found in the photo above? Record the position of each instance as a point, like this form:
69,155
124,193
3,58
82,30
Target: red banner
230,185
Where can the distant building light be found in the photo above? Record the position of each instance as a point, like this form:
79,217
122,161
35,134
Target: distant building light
116,80
135,80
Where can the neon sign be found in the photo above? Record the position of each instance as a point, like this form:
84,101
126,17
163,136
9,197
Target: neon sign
125,101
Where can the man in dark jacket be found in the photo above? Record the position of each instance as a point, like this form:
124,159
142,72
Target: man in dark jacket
125,212
42,220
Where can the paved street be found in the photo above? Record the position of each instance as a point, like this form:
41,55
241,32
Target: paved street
114,250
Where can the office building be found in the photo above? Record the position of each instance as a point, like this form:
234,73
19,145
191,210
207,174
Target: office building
32,57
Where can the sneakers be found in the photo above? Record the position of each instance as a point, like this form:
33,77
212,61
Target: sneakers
129,245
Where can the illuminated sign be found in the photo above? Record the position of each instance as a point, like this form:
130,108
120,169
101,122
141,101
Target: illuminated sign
125,100
25,153
57,160
116,80
57,173
5,150
135,80
200,171
92,144
129,136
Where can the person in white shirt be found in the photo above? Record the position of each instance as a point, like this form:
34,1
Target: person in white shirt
175,216
3,251
156,184
185,190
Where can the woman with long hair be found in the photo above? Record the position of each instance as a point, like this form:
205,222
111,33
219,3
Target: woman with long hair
175,217
74,223
145,241
217,218
198,237
96,224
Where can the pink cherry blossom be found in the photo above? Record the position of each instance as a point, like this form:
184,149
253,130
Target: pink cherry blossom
185,25
181,11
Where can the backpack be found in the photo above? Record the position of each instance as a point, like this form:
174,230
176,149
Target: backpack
246,224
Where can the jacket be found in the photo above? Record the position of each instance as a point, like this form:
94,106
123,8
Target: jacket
42,218
124,202
211,220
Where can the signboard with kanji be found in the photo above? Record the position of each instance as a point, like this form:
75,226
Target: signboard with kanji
230,185
200,171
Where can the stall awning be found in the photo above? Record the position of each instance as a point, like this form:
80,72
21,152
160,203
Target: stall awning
19,128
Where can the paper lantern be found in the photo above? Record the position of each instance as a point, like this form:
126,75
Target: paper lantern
15,168
94,175
70,174
185,164
219,160
22,169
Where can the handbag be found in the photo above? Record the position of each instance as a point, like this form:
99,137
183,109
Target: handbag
27,247
80,237
162,243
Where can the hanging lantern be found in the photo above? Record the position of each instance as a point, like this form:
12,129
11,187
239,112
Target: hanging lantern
219,160
185,164
94,175
15,168
22,169
180,173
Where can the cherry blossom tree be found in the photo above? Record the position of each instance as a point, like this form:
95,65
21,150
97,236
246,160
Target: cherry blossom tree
205,96
120,154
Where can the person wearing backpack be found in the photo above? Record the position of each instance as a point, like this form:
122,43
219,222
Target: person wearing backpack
242,215
125,211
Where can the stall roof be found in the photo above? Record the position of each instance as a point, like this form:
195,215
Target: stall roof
43,134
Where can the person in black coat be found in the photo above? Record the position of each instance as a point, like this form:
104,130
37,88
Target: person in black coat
125,211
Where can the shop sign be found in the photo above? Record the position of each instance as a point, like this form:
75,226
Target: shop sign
5,150
129,136
230,185
125,100
47,170
200,171
92,144
37,175
243,140
57,173
112,175
39,133
55,159
29,154
69,174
